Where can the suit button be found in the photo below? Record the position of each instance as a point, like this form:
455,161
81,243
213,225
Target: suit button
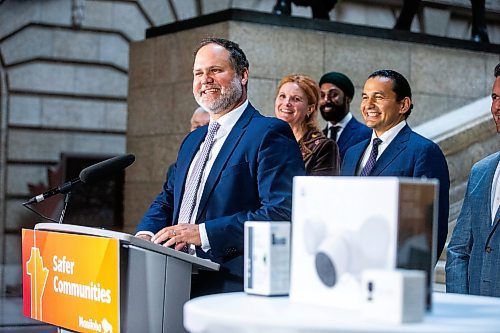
488,249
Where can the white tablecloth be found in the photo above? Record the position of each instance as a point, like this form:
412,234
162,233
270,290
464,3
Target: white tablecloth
239,312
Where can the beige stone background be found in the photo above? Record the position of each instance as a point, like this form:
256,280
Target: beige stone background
160,98
161,101
65,70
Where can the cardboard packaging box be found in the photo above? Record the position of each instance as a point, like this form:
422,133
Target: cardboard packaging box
344,225
267,258
393,296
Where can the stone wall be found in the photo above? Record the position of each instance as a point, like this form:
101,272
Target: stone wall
64,77
447,18
450,18
64,67
160,97
3,148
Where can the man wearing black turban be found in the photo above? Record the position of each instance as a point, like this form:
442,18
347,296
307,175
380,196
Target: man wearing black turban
337,92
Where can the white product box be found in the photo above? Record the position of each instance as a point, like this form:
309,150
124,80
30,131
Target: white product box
393,296
267,258
344,225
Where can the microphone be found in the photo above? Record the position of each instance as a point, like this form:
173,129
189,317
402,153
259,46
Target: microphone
105,169
89,175
63,189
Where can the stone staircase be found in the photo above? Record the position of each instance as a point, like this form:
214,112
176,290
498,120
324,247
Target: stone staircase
465,135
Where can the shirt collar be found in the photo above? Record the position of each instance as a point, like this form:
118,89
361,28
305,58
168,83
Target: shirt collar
391,133
228,120
343,123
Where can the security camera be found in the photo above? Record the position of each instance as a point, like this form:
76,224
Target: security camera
350,250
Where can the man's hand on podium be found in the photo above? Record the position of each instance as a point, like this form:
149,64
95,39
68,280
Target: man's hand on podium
179,236
144,236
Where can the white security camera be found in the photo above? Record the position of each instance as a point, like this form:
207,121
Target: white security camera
350,250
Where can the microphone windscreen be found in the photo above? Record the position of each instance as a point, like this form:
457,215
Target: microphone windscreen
106,169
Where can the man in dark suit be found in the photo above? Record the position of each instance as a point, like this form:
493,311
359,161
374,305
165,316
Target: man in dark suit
238,168
337,92
473,256
394,149
200,117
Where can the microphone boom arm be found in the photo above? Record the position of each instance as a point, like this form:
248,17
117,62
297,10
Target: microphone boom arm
63,189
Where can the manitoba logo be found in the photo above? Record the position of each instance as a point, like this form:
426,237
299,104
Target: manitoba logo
106,326
38,275
91,324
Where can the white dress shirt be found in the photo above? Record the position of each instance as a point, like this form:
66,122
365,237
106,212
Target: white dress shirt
495,193
227,123
341,125
386,138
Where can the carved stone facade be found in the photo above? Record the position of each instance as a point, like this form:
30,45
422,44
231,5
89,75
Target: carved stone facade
64,72
64,78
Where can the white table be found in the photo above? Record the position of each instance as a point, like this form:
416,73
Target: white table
239,312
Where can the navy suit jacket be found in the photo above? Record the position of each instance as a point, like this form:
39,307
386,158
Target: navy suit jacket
409,155
473,257
353,133
250,180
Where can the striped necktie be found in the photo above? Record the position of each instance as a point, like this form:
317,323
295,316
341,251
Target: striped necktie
193,184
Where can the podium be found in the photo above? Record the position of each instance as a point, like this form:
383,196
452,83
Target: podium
93,280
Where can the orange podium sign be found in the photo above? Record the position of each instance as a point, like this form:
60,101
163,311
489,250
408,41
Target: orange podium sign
71,281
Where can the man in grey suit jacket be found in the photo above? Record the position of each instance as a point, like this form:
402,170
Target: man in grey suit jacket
473,260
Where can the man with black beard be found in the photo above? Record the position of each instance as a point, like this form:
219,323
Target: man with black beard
238,168
337,91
